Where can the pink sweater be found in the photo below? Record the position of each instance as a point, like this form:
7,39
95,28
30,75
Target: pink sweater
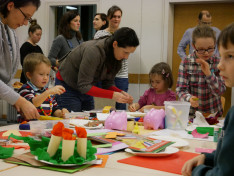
150,97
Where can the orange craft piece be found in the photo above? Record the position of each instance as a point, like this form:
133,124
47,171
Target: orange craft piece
81,132
24,122
67,134
57,129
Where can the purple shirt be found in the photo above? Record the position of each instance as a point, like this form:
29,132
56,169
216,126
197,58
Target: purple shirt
150,97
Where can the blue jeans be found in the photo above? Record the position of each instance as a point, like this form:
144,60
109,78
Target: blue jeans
121,83
74,100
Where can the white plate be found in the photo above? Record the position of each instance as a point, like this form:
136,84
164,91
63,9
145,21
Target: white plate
168,151
178,142
66,165
136,114
81,123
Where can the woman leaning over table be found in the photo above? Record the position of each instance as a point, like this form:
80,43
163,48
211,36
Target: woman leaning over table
13,14
91,62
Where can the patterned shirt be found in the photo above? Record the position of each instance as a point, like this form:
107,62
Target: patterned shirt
193,82
151,98
29,91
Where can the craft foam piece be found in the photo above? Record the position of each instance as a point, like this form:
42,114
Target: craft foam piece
8,132
53,145
154,119
82,147
106,109
67,149
172,163
116,120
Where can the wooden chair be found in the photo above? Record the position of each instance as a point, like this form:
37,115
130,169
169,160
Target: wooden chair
223,102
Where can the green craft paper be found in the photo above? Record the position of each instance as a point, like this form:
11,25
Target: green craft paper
39,149
60,169
6,152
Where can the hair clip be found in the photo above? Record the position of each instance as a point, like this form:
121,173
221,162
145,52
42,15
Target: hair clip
167,75
163,71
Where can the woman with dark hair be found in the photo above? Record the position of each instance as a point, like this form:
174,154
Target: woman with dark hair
100,21
114,16
69,37
91,62
13,14
30,46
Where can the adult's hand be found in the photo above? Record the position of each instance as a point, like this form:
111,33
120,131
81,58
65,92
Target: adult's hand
190,164
121,98
130,98
25,107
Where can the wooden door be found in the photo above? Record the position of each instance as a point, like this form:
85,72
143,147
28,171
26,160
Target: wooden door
186,16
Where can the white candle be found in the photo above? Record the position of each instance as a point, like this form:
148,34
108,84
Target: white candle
67,149
82,147
53,145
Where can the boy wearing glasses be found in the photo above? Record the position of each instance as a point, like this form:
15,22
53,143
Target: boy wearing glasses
204,18
198,80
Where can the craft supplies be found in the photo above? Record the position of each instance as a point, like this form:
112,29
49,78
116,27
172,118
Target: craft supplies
177,113
81,141
216,134
24,126
56,138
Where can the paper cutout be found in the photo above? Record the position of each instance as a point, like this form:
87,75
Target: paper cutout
104,160
204,150
8,132
172,163
198,135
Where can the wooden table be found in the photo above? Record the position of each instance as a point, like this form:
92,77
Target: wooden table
113,168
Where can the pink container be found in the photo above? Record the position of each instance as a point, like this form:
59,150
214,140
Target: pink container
116,120
154,119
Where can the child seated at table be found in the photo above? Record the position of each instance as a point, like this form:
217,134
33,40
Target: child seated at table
37,70
161,80
220,162
198,80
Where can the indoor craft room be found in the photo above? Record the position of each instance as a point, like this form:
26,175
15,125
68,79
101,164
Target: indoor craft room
118,87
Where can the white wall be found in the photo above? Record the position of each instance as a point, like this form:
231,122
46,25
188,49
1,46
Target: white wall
151,19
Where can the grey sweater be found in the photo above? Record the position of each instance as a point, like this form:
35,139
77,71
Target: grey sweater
8,64
61,46
85,65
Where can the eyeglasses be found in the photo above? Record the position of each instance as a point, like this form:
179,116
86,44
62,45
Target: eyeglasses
202,51
25,17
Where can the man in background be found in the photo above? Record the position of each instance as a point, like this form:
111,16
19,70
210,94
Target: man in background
204,18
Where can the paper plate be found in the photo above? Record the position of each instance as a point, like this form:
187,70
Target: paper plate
178,142
65,165
136,114
81,123
168,151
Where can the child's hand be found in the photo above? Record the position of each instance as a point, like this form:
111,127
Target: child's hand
146,107
63,112
56,90
204,66
190,164
194,101
133,107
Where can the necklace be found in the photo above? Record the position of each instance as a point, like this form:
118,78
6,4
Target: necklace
51,105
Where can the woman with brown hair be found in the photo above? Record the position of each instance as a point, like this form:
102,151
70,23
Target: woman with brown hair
69,37
13,14
30,46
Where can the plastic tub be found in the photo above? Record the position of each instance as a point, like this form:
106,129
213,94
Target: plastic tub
177,114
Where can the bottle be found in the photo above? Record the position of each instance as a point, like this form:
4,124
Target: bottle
216,134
